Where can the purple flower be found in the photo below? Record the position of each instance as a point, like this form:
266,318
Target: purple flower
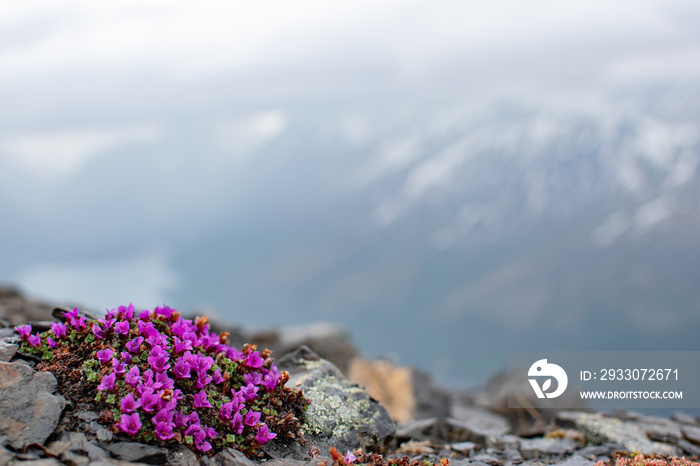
271,379
157,339
237,423
51,343
108,382
210,432
118,367
202,380
253,378
164,415
350,458
121,328
59,329
237,400
181,369
165,405
164,381
218,378
24,331
193,429
130,423
249,392
164,311
133,378
226,411
264,435
105,355
97,331
149,400
194,418
181,346
106,323
146,328
164,430
254,360
145,314
159,363
200,400
71,315
110,314
201,363
180,419
79,323
179,328
129,404
200,441
233,354
126,356
252,418
134,345
126,312
34,340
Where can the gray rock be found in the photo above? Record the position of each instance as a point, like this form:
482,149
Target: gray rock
133,451
104,435
87,416
481,422
683,418
40,462
486,458
601,429
691,433
7,332
422,429
576,460
341,414
546,447
7,351
72,444
231,457
503,442
29,412
288,462
606,449
5,455
689,448
464,448
180,455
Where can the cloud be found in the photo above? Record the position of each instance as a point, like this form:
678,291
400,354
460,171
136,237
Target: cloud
61,153
241,136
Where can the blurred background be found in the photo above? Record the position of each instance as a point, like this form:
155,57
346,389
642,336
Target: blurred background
450,180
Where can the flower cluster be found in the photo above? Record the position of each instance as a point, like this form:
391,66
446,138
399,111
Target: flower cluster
638,459
163,378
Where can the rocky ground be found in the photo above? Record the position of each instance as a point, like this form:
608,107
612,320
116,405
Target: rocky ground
355,404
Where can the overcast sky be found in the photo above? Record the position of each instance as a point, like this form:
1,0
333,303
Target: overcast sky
51,53
80,78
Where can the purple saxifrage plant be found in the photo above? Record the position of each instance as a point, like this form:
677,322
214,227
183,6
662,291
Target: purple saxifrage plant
157,377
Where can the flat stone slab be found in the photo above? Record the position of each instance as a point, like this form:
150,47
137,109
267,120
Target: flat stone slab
29,411
600,429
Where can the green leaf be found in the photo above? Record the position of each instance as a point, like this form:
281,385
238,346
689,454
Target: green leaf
230,438
189,439
98,397
90,338
111,398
